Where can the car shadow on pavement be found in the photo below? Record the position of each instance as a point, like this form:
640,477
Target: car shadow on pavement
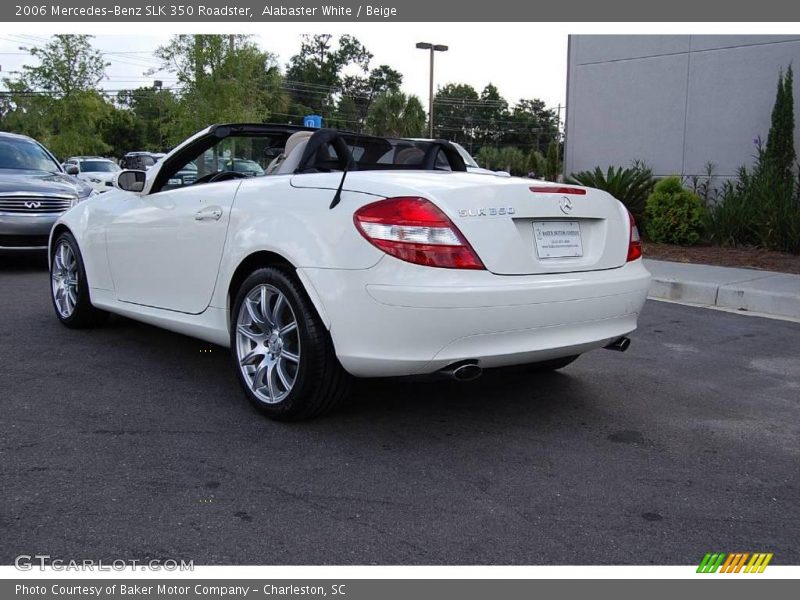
497,394
22,262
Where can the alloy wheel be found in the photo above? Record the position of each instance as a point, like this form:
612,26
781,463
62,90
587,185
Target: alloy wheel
64,279
268,343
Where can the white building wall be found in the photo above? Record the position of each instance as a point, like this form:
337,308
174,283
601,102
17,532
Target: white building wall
674,101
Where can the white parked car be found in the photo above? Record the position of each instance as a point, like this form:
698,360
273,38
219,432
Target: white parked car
98,172
351,259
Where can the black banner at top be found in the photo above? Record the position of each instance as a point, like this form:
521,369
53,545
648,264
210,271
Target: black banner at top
397,10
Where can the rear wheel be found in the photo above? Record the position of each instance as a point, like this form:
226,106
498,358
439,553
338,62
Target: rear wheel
69,287
554,364
284,357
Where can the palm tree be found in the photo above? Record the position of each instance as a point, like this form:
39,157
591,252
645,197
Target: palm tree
395,114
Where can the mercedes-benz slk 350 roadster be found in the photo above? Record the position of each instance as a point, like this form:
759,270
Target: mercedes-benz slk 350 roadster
321,255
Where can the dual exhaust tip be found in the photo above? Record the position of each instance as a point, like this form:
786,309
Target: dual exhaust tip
470,370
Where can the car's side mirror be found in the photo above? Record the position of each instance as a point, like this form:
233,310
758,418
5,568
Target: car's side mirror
71,169
130,180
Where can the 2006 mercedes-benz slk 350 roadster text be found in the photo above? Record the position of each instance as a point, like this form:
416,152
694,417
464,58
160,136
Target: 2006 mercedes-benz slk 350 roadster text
335,254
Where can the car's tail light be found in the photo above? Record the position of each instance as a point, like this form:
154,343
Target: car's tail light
416,231
635,242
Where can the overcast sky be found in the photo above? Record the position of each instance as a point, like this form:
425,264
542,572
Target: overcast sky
519,59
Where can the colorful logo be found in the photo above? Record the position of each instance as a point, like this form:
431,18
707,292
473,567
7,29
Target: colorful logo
734,562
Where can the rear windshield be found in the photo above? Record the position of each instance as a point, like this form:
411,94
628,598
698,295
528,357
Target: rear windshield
25,155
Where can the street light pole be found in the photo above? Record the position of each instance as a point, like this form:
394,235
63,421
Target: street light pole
433,48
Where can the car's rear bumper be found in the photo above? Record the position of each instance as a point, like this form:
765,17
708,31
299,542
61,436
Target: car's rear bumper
20,231
402,319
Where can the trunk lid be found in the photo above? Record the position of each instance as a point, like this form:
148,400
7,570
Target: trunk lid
514,230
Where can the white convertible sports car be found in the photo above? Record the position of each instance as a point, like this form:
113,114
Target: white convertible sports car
350,255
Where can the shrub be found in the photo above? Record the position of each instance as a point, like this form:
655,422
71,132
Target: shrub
674,215
507,158
629,186
552,162
537,163
762,207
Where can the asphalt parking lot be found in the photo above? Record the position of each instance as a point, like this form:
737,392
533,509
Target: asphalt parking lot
129,442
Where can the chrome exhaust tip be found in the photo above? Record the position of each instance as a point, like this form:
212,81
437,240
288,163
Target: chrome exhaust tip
463,371
620,344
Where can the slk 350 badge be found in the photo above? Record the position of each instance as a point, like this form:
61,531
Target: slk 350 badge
492,211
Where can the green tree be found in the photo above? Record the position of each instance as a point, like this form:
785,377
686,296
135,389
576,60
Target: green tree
224,79
779,152
357,93
67,64
314,74
152,112
531,124
490,117
123,132
55,100
552,161
456,107
397,115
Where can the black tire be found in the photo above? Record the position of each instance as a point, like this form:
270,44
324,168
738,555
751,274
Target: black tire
554,364
83,315
321,382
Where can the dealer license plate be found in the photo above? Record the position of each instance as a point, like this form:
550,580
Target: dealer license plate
557,239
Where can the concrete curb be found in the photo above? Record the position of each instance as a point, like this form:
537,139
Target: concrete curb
739,289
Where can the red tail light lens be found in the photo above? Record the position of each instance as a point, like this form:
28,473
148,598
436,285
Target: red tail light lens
416,231
635,242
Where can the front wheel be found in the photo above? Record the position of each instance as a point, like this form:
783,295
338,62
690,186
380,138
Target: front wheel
283,354
69,289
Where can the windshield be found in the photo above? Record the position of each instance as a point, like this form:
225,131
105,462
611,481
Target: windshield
244,166
104,166
25,155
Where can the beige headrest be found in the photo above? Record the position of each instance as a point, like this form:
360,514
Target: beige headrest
295,139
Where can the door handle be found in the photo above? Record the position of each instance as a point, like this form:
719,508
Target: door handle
208,214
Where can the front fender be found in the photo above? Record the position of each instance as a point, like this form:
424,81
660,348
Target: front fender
86,221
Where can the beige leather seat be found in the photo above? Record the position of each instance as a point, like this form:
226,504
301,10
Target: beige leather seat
291,144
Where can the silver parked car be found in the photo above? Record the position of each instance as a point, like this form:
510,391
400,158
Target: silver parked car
34,191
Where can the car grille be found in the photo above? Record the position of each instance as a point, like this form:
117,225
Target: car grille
34,204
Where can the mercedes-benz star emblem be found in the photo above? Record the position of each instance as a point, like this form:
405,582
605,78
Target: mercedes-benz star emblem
565,204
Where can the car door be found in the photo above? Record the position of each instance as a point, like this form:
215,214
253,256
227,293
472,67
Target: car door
166,242
165,248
